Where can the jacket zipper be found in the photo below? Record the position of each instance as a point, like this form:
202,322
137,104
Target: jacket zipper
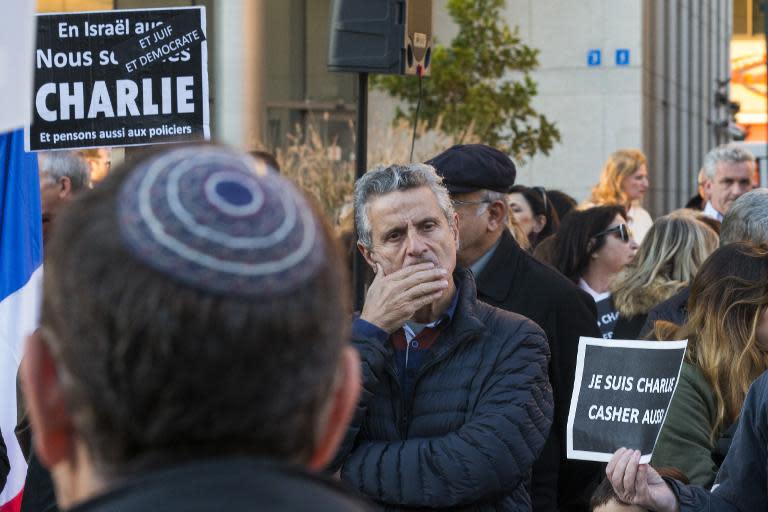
407,409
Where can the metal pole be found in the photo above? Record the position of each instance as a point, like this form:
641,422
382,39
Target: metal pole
361,160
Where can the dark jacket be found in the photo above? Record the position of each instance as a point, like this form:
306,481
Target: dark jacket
39,495
634,306
515,281
674,309
696,203
5,466
479,414
742,482
234,485
629,327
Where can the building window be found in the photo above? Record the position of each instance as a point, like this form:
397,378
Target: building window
758,18
748,18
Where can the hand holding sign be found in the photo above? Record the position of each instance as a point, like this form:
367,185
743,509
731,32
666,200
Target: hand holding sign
639,484
621,394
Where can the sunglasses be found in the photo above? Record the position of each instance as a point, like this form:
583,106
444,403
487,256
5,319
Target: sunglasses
622,230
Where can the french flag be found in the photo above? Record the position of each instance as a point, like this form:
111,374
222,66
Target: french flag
21,270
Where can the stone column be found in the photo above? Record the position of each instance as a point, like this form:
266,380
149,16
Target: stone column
239,61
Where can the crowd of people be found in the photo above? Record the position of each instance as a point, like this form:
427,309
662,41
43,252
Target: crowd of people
194,344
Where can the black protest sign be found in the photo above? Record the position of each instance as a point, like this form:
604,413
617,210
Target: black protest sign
84,95
621,394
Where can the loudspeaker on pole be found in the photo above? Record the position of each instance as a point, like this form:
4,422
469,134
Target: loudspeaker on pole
381,36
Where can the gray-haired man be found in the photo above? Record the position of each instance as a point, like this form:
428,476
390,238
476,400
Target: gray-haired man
729,172
457,403
63,174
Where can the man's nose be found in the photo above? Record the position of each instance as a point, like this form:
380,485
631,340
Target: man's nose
415,243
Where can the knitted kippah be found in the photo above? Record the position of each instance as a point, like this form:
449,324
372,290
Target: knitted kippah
219,221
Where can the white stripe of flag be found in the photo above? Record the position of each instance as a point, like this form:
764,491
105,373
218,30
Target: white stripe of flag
20,289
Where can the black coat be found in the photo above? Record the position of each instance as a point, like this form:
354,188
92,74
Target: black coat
39,495
479,415
515,281
233,484
674,309
5,466
629,327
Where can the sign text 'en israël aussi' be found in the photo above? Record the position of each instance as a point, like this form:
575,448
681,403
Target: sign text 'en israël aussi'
119,78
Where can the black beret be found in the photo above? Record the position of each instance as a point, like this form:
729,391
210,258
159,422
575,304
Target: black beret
470,167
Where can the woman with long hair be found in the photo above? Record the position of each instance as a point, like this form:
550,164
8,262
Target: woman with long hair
591,247
533,212
666,261
624,181
727,332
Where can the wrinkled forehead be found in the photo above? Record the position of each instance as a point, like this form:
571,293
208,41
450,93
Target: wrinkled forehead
403,207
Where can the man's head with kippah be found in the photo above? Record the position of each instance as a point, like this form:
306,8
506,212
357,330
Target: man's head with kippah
192,309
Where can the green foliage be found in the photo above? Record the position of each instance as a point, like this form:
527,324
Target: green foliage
480,84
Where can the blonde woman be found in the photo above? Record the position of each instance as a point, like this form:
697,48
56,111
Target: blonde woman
727,332
624,181
667,260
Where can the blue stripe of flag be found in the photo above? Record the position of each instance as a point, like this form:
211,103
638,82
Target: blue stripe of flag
21,239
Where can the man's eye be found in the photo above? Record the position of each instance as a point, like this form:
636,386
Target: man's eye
393,236
429,226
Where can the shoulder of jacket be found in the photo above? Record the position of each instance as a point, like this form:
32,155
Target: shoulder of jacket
506,324
691,376
553,282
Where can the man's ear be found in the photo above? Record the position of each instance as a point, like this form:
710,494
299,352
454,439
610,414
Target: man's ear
497,215
367,255
54,434
65,187
344,398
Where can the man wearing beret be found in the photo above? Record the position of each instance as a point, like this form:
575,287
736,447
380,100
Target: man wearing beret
456,402
478,178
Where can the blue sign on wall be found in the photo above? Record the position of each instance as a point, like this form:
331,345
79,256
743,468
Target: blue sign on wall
622,57
593,58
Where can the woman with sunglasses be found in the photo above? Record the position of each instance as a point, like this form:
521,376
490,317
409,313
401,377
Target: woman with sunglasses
591,247
624,181
667,260
533,212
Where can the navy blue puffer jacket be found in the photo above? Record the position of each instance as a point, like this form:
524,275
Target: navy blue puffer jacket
478,418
